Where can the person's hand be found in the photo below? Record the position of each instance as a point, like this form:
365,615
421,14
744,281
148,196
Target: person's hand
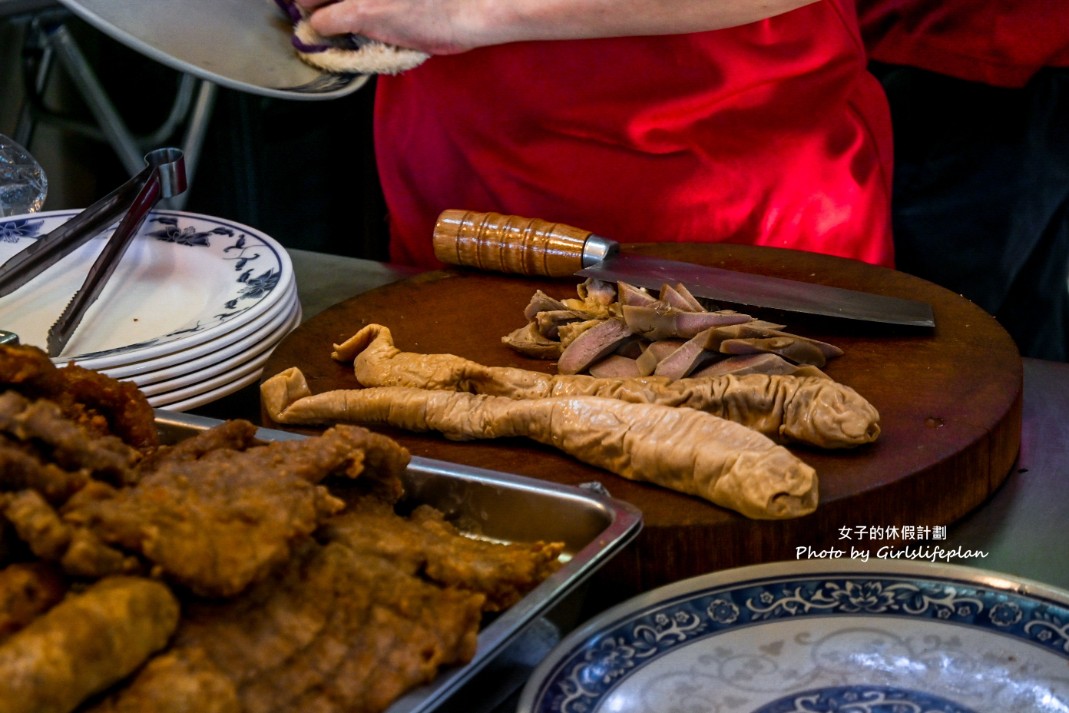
431,26
452,26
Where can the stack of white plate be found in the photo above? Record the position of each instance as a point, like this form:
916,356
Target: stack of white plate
191,313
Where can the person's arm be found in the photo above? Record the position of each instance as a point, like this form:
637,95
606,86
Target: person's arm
451,26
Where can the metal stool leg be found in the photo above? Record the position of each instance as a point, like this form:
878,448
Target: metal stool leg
36,80
196,130
193,105
107,117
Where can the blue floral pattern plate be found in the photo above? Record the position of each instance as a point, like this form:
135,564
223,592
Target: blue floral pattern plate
186,280
818,636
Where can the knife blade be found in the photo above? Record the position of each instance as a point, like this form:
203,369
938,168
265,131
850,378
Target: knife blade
536,247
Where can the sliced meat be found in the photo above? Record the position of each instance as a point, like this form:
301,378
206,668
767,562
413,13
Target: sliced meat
593,345
541,302
527,340
549,322
660,321
568,333
632,349
656,351
689,356
597,292
679,297
615,366
800,351
635,296
763,363
764,330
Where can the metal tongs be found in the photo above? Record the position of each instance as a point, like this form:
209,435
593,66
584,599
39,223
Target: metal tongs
163,176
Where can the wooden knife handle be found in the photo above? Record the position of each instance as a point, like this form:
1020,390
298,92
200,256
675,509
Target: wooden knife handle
508,243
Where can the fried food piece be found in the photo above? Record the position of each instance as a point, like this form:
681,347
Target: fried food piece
273,619
368,455
85,644
683,449
22,365
21,468
424,543
118,407
218,522
88,556
335,630
60,440
806,409
179,681
233,435
37,524
79,552
101,404
504,572
27,589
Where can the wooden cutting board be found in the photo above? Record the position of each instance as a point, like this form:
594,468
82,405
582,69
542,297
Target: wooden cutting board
949,400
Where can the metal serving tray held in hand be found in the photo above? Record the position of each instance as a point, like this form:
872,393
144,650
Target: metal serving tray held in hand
237,44
501,507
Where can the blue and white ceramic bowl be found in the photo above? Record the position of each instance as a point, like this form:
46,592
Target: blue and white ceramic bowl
819,636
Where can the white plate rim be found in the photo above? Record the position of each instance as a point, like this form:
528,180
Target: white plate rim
208,397
222,385
196,400
211,369
1003,592
209,353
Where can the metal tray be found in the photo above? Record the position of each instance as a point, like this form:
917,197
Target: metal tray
503,507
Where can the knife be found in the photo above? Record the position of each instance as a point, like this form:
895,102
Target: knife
536,247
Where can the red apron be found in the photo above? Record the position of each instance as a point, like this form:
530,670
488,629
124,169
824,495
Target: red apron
771,134
997,42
